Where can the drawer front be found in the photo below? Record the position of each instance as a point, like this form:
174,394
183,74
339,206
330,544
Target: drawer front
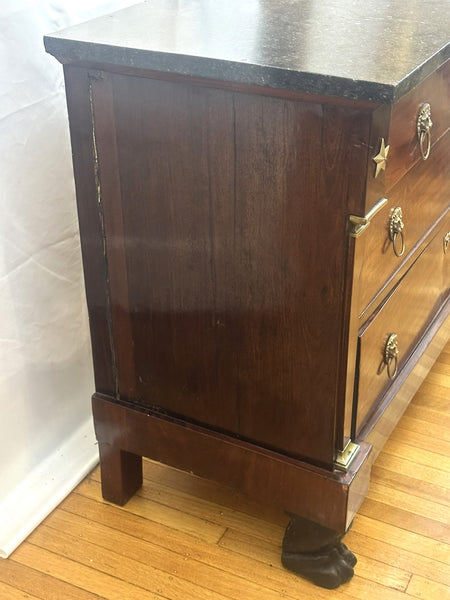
403,139
422,196
407,313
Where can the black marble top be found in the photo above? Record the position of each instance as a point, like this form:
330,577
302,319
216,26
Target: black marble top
374,50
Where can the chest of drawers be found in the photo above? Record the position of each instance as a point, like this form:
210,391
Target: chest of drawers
266,249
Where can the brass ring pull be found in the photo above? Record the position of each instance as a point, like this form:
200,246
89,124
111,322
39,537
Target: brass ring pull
398,251
424,125
446,241
396,234
425,135
391,355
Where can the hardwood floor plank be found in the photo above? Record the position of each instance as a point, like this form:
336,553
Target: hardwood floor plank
425,589
273,575
43,586
86,577
162,513
392,556
418,488
136,525
440,374
117,563
402,539
440,370
434,431
239,564
198,572
399,499
417,455
197,508
367,568
398,465
218,514
159,534
437,396
172,586
435,378
427,415
393,515
200,508
422,439
8,592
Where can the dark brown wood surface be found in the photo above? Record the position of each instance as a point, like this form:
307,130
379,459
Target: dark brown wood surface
404,147
109,191
379,130
295,486
227,211
91,228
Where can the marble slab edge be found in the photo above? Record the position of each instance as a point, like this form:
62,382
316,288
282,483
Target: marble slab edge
69,51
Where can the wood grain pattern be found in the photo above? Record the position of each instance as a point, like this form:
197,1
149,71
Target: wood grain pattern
423,195
109,192
327,497
185,538
91,227
408,312
404,152
217,251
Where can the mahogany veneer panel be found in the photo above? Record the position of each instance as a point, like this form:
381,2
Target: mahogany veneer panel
214,264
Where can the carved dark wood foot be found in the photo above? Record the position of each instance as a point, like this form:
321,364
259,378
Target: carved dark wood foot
121,473
317,553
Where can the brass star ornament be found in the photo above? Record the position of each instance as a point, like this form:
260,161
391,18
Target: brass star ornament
381,158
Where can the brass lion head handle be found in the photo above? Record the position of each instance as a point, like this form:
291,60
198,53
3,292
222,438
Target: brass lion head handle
391,355
396,234
424,125
446,242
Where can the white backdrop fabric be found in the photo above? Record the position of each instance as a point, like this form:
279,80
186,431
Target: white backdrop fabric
46,376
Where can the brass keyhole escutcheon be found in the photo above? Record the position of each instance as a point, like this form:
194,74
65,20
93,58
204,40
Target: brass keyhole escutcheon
396,234
391,355
446,242
424,125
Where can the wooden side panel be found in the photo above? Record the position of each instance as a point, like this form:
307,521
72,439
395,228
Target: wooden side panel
91,227
176,152
234,213
295,159
109,199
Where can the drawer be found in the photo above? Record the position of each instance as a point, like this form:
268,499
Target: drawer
403,140
422,195
407,313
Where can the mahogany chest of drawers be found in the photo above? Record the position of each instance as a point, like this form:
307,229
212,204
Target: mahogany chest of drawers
265,226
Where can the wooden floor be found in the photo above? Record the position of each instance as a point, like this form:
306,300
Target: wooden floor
186,539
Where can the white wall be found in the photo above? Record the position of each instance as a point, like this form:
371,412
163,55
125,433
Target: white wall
46,377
